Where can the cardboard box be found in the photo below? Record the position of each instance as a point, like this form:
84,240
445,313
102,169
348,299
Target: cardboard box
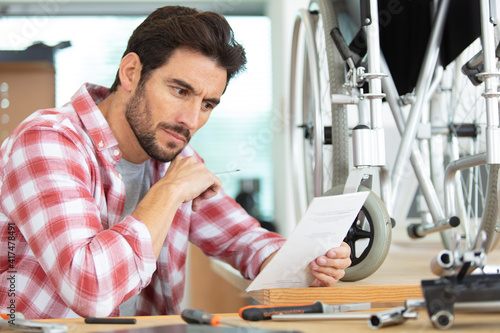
24,88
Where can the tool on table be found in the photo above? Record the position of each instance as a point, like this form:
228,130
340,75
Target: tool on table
322,316
95,320
20,324
263,312
461,291
396,315
195,316
454,262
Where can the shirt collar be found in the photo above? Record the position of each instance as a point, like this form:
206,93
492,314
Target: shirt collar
85,102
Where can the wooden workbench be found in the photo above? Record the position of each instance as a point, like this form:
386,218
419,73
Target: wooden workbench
398,279
463,323
395,281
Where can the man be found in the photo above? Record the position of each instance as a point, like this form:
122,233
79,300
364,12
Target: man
78,246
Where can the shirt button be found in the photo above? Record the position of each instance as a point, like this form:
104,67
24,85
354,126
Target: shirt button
120,176
101,144
116,152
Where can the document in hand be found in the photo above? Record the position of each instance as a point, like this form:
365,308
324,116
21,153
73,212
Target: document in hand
324,226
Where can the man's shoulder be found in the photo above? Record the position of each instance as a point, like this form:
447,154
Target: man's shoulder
60,121
54,118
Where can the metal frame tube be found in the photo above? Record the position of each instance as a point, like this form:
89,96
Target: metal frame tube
416,159
373,42
449,180
423,83
491,84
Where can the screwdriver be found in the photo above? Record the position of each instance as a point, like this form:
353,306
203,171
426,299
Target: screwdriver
264,312
195,316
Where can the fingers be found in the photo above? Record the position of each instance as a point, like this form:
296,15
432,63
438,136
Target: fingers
209,193
343,251
323,280
191,181
329,269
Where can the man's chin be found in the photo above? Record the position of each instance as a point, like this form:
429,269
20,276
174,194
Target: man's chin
165,156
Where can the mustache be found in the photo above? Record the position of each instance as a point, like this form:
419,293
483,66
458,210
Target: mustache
177,129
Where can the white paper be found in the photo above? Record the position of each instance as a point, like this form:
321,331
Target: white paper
324,226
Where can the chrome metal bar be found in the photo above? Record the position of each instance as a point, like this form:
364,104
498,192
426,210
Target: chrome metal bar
416,159
321,316
385,189
373,42
423,83
449,184
421,230
491,84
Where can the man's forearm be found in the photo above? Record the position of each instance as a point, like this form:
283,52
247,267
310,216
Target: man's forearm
157,217
268,259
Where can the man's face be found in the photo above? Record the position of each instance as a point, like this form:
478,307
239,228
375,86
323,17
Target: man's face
176,101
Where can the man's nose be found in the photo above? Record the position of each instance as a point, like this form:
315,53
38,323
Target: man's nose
189,116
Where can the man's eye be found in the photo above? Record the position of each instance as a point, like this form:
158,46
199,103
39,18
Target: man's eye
208,106
180,91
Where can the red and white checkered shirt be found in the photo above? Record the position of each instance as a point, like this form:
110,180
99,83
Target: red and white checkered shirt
64,249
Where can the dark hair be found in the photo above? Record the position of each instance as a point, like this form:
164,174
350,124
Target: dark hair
171,27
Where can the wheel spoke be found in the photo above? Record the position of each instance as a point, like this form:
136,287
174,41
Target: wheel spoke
362,234
352,245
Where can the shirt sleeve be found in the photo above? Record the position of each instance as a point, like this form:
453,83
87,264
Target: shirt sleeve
224,230
51,191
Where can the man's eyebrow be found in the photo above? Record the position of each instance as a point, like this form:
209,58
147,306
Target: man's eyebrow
189,87
183,84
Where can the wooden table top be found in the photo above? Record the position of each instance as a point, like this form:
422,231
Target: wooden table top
464,322
407,264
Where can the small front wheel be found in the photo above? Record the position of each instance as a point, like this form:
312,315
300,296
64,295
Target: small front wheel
369,236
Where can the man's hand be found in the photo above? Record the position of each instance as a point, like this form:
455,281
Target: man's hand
330,268
185,180
192,181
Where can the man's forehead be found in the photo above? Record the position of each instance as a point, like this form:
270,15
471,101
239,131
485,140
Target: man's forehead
195,71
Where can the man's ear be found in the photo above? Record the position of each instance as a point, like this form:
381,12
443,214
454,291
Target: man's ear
130,71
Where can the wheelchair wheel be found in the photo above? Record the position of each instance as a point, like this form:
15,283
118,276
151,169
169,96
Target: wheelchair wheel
369,236
476,188
318,130
319,135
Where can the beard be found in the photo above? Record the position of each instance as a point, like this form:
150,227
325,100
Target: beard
141,123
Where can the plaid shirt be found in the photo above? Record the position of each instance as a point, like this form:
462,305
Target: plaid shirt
65,252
